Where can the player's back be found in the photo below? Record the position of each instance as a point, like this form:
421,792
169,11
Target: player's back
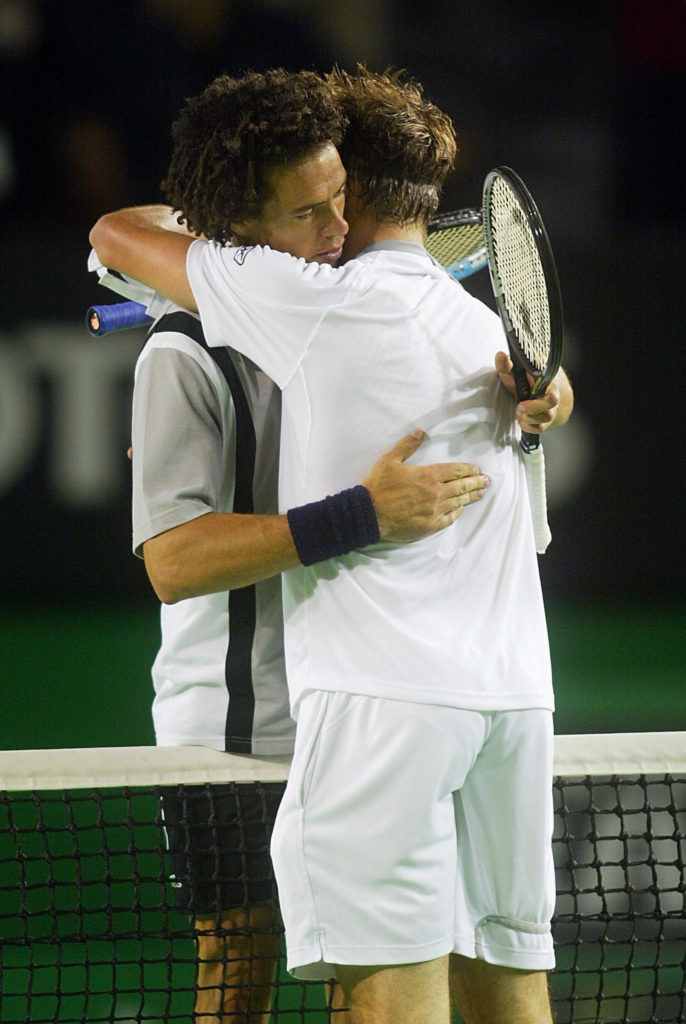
363,355
448,619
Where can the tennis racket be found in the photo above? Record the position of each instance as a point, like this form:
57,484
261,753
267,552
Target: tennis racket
456,241
527,295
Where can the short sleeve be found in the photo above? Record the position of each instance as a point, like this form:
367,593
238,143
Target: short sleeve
178,453
266,304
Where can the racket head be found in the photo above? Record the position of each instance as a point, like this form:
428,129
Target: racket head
456,241
524,277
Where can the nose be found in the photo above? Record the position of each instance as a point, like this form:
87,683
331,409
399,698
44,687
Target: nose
336,224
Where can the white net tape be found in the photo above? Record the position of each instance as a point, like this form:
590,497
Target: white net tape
594,754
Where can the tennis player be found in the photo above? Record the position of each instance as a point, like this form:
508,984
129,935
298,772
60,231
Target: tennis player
206,425
416,821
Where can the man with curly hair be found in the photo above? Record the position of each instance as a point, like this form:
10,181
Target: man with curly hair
206,438
415,828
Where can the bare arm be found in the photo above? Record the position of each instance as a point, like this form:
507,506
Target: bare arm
216,552
148,244
223,551
552,409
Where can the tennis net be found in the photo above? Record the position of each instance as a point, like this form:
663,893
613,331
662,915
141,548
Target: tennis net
90,930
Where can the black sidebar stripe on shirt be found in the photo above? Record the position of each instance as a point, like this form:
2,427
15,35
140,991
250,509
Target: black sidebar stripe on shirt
242,602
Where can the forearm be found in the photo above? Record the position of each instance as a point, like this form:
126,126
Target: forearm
148,244
397,502
154,216
217,552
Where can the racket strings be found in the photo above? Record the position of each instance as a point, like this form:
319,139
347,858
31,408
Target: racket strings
522,278
447,245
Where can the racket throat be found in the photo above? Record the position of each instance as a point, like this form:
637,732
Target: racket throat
522,387
529,442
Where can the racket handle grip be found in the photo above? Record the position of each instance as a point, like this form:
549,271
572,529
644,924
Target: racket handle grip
534,466
468,265
117,316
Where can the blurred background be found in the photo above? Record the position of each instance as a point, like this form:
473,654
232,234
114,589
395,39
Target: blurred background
586,101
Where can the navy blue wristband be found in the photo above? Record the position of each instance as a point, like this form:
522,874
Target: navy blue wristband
338,524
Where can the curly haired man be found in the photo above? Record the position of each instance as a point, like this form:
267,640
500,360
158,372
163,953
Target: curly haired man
415,827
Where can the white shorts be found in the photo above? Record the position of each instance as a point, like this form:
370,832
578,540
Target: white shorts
410,831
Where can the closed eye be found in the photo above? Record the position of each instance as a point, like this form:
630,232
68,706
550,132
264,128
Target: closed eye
308,213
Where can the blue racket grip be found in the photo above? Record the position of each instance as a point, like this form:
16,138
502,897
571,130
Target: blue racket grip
117,316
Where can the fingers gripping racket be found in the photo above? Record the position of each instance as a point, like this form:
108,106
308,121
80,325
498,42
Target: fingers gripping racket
527,296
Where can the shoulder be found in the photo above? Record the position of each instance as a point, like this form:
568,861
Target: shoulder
276,278
179,330
176,327
176,350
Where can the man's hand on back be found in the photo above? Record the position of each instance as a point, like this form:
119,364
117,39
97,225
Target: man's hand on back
411,501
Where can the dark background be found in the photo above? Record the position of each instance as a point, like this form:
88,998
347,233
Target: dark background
586,101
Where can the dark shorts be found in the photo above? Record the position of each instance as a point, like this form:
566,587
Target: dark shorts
218,840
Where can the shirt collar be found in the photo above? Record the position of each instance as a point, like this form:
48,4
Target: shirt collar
398,245
395,245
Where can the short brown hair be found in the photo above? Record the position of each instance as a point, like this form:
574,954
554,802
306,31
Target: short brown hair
229,137
398,148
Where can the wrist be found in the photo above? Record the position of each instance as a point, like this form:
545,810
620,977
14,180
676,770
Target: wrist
334,526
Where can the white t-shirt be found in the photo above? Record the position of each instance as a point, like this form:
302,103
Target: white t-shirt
364,354
205,439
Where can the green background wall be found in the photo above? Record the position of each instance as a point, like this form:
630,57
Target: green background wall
79,675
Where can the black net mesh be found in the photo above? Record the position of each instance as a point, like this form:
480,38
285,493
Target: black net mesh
91,927
619,923
92,930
